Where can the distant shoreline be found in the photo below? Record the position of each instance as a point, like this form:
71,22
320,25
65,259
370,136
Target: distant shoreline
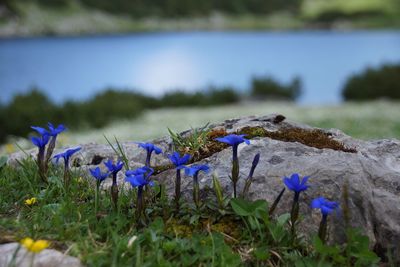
195,31
102,24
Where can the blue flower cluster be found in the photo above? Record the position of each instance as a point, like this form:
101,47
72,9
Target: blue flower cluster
141,178
46,142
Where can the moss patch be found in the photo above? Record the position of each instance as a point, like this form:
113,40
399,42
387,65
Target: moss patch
228,226
312,138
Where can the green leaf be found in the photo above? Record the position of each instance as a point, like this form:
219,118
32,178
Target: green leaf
283,219
194,219
3,161
262,253
247,208
52,208
241,207
218,190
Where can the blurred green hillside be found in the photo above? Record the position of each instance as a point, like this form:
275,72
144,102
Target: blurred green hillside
61,17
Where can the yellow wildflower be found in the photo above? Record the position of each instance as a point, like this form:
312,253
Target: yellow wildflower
30,201
80,180
9,148
34,246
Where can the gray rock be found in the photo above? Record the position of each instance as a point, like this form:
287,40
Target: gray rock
46,258
372,172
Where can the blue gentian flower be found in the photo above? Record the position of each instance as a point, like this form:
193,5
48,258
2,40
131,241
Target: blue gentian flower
42,162
194,172
179,161
40,130
326,206
138,180
195,169
66,155
140,171
114,168
149,148
294,184
52,131
234,141
41,141
139,176
98,175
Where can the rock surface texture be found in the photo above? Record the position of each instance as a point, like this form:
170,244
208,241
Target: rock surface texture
370,168
46,258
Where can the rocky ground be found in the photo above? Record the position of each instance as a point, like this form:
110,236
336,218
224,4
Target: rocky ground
332,159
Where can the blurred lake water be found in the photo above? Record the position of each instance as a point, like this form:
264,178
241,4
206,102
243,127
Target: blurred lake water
77,67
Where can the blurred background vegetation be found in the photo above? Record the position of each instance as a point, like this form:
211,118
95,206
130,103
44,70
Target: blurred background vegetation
33,17
35,108
112,105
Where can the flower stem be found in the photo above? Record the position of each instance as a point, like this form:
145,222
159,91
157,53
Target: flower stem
323,228
114,192
177,188
67,176
196,191
41,165
294,215
148,158
235,174
97,193
50,148
139,204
